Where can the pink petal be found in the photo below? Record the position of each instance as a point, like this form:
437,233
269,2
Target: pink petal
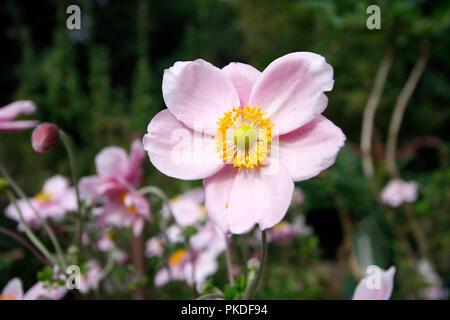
187,208
137,154
243,77
112,162
196,195
13,289
237,200
27,212
16,108
173,149
291,89
384,292
94,186
198,93
17,125
56,185
311,149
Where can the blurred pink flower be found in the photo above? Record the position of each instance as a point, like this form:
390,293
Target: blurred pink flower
283,103
54,201
366,291
9,112
118,176
14,291
398,191
209,238
205,246
105,242
91,278
436,290
188,208
154,247
45,137
299,197
180,263
284,232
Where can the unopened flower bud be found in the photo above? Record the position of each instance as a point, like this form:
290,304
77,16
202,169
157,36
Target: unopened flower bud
45,137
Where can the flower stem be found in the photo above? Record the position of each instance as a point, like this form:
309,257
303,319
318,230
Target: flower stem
254,286
68,146
26,244
229,262
30,234
160,194
44,223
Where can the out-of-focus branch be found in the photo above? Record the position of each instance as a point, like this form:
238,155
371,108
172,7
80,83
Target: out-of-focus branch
400,107
26,244
369,111
394,128
138,259
346,250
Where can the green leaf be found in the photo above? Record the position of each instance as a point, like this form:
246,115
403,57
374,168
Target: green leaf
231,293
45,274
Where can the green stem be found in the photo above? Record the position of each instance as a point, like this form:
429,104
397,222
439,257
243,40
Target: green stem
210,296
160,194
229,262
44,223
68,146
26,244
254,286
30,234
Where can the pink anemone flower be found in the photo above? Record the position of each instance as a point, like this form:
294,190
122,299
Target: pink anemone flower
181,263
285,231
154,247
118,176
14,291
91,278
376,289
248,134
187,208
11,111
200,261
398,191
299,197
54,201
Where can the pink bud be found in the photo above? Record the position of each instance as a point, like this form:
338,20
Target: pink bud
45,137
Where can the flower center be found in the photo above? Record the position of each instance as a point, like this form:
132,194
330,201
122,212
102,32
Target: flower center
244,137
6,297
177,257
129,207
43,197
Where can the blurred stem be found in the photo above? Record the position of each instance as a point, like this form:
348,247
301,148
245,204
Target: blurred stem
68,146
347,250
211,296
26,244
44,223
138,259
191,252
160,194
109,265
229,262
416,230
30,234
394,128
400,107
369,111
254,286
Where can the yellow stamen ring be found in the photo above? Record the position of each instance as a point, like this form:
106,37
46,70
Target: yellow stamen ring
244,137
